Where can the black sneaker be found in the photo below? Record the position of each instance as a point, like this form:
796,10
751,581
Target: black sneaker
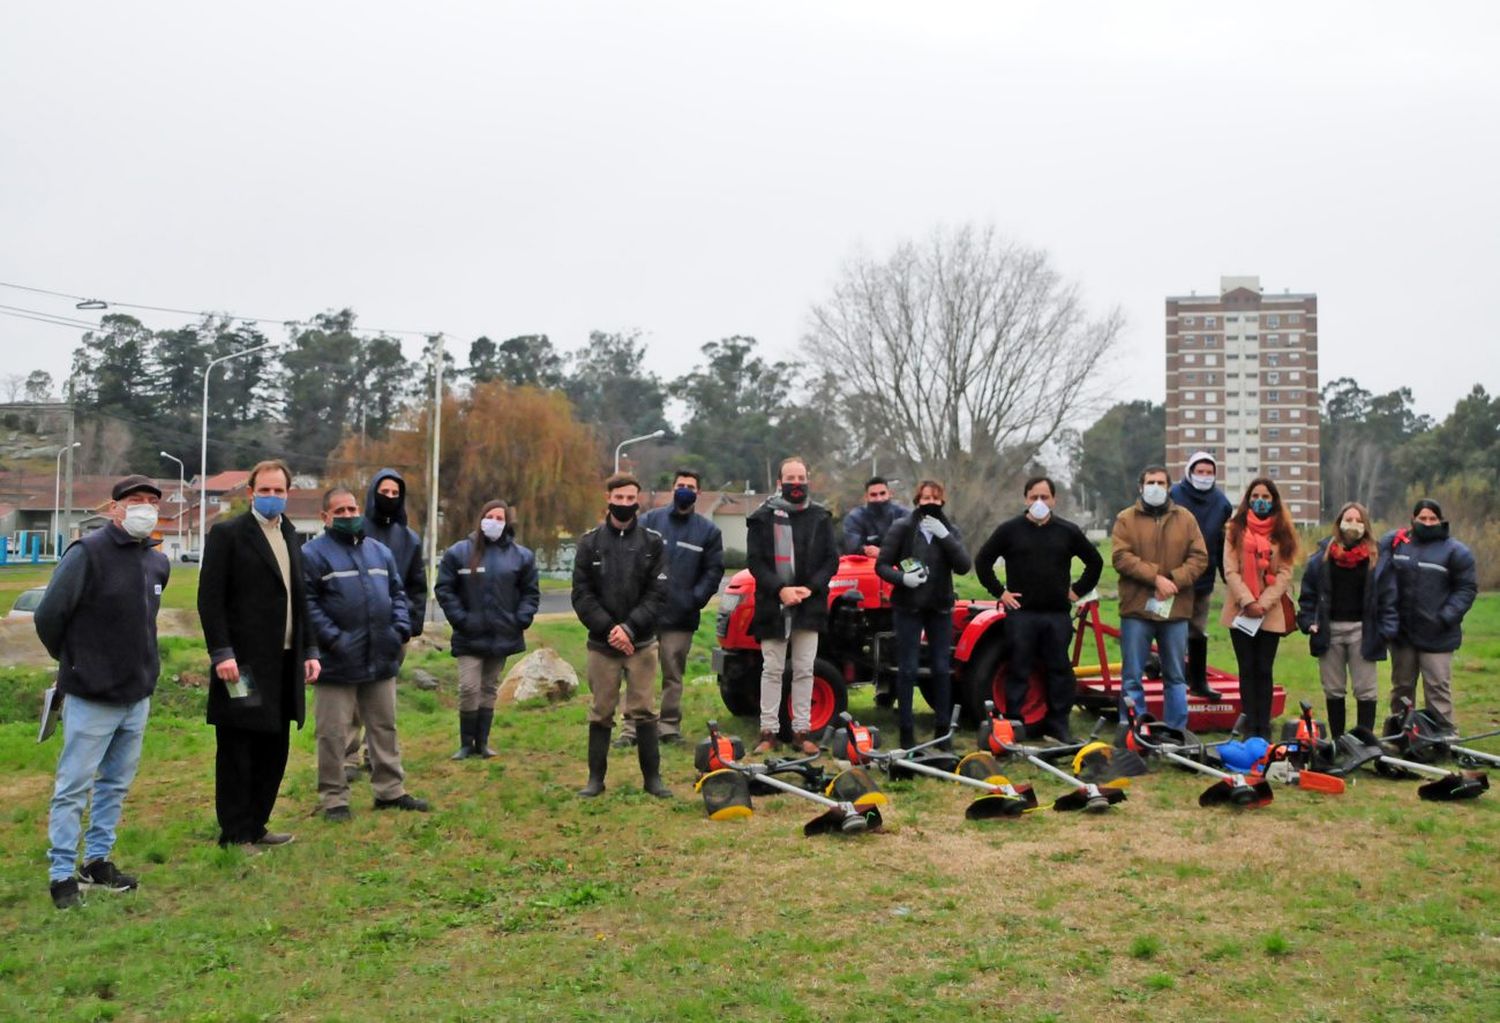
405,801
337,814
104,874
65,893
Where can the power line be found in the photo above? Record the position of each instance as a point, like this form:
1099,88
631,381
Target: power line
42,317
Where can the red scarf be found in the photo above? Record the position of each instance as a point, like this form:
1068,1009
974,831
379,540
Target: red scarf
1349,557
1255,553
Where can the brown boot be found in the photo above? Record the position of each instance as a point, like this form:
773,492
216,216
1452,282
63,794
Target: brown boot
768,743
802,744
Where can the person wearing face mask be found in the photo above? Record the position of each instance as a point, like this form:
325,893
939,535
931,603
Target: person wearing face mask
98,620
793,554
1347,607
1039,548
865,527
253,608
1158,551
619,594
385,520
922,601
1436,583
1260,548
695,552
488,590
356,606
1198,492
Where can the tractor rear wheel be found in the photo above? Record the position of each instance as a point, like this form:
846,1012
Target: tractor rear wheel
982,678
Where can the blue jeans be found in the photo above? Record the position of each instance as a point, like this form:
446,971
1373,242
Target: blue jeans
909,628
1136,635
102,739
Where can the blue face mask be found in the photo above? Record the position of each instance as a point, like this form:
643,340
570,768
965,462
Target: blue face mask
684,498
269,505
1261,506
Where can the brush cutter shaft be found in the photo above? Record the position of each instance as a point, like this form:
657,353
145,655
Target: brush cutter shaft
1058,773
1415,768
784,786
1488,758
933,772
1182,761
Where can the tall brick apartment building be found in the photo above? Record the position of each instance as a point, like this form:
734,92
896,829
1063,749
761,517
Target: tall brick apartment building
1242,382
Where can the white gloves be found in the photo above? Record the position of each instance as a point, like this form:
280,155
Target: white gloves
934,527
914,579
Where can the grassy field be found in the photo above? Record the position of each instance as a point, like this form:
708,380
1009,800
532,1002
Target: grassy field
516,901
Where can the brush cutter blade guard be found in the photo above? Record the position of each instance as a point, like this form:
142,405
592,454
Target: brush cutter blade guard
1099,763
1023,792
1456,786
713,751
1094,799
726,795
981,766
1237,792
856,786
1356,748
994,805
846,819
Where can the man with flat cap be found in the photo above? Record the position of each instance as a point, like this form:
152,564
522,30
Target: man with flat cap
98,619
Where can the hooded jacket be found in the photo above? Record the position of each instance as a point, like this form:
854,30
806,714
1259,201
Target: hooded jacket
1379,622
491,605
404,544
1145,545
1212,509
356,607
869,523
695,551
1436,583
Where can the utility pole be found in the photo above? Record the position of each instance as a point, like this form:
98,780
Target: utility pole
72,443
432,483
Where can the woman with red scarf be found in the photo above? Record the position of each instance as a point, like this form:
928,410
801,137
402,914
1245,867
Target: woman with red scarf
1348,610
1260,546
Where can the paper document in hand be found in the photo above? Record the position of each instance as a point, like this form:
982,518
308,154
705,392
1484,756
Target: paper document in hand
1249,626
52,703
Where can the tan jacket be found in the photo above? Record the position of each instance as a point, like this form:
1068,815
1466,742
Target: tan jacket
1144,546
1270,597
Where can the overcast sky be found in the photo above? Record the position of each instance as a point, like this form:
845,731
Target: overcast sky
698,169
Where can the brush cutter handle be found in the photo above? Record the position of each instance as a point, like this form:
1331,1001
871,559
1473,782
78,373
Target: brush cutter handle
1429,770
935,741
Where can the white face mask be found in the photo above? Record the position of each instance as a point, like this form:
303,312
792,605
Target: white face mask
1039,510
1204,483
491,528
1352,527
1154,494
140,520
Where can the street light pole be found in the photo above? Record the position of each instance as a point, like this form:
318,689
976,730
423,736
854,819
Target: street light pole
181,498
631,440
57,494
203,470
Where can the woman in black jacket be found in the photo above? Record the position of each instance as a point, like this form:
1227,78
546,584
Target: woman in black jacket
919,557
1347,607
487,587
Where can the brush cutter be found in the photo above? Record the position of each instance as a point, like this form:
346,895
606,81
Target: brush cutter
859,745
1085,796
842,816
1423,739
1361,746
1232,788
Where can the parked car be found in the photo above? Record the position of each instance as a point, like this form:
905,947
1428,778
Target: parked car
26,602
187,557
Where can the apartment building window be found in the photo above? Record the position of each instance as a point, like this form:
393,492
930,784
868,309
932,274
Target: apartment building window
1210,321
1296,413
1231,319
1296,431
1294,376
1273,415
1190,358
1210,360
1296,488
1210,434
1273,378
1296,509
1190,433
1189,395
1210,342
1188,321
1211,416
1274,454
1296,470
1232,394
1273,320
1210,396
1274,433
1294,318
1189,414
1294,356
1271,359
1296,451
1272,395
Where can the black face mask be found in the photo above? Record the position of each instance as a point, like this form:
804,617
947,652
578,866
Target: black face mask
794,492
935,510
622,513
387,507
1427,531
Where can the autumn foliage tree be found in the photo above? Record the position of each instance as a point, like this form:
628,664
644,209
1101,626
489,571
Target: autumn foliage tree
519,444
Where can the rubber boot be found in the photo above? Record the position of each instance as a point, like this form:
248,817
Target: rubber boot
1197,668
484,718
598,761
1364,713
649,754
1336,706
908,737
466,724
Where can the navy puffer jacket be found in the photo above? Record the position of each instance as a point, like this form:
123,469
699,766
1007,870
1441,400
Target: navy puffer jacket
695,551
1379,621
1436,583
491,605
357,608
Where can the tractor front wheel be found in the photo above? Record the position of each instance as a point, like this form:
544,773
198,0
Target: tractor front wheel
830,698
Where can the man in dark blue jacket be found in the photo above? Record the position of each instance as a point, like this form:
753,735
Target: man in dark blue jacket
865,527
358,610
385,520
695,550
98,619
1199,493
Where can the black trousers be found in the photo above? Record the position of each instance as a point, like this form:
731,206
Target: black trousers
1256,656
248,768
1044,636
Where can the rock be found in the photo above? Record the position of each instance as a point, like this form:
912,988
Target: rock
424,679
541,674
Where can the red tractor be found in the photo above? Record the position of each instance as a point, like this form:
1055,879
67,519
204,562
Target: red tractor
858,648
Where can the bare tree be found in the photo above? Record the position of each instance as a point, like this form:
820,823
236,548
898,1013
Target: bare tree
12,386
963,355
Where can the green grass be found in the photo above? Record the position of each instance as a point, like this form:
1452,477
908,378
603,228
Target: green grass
514,900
